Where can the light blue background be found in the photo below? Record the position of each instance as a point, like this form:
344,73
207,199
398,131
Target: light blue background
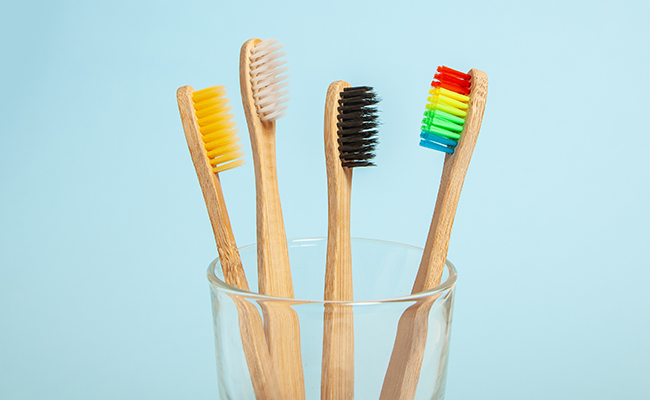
104,237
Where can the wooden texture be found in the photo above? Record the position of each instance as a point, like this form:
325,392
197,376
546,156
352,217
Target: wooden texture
265,383
337,374
274,273
233,271
401,380
403,371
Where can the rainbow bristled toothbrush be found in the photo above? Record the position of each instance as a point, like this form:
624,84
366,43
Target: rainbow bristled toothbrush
451,124
454,96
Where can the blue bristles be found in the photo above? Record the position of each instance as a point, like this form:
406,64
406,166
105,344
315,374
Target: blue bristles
435,142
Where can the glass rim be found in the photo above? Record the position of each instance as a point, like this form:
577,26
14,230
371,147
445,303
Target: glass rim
449,283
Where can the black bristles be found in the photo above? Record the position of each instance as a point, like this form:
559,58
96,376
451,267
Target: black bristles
357,125
356,141
355,91
351,118
353,164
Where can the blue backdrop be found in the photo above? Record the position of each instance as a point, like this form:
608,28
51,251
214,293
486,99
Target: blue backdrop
104,237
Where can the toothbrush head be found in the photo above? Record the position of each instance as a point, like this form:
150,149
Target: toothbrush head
357,126
269,79
446,110
217,128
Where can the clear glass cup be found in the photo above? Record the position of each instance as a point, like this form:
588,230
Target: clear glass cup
400,341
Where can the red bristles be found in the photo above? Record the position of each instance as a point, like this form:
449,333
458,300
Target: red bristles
451,79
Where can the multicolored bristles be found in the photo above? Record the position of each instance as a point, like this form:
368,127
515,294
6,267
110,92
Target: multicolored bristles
446,109
357,123
217,128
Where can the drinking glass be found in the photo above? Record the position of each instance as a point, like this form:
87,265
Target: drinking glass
400,341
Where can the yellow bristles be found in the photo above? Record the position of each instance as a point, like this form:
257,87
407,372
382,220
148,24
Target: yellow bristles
217,128
464,100
443,103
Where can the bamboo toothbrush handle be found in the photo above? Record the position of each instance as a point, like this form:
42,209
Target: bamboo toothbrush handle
337,374
212,194
451,184
281,323
266,384
403,373
338,272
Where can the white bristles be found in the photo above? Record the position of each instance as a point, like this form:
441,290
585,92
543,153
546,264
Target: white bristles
267,78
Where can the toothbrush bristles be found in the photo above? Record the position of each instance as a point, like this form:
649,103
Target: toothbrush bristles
217,128
268,77
357,123
446,109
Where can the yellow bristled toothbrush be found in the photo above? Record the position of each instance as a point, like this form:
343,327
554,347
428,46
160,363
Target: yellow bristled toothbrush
212,141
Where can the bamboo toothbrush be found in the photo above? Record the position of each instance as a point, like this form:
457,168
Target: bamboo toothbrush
454,170
350,139
262,81
449,100
211,138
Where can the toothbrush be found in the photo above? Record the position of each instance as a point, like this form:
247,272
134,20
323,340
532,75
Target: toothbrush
454,97
211,138
350,139
263,81
456,162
